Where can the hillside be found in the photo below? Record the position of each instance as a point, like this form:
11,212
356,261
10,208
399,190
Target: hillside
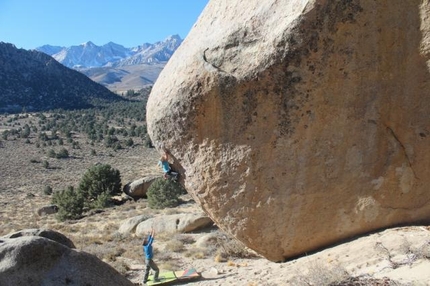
34,81
121,79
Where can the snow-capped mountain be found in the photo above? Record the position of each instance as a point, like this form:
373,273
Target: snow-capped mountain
153,53
49,50
89,55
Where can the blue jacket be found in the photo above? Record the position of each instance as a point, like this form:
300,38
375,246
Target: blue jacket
147,248
165,165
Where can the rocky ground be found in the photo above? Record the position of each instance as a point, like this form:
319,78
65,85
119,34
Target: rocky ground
397,256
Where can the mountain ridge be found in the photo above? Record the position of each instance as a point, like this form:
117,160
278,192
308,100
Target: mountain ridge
35,81
88,55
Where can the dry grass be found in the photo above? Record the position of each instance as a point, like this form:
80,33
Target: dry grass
322,274
197,253
175,245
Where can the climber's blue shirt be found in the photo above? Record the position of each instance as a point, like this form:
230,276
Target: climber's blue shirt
147,249
165,165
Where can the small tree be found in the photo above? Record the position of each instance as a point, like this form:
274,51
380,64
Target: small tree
99,180
164,194
70,204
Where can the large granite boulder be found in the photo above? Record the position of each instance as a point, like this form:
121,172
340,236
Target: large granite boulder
36,260
297,123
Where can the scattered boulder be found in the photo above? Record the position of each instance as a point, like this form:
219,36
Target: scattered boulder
35,260
121,199
137,189
301,123
46,233
128,226
47,210
176,223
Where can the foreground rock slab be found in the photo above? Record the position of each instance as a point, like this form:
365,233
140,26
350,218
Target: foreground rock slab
297,124
36,260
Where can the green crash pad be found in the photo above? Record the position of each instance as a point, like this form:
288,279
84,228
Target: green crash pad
169,277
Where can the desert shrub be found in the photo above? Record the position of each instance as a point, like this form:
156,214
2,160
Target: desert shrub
185,238
164,194
100,181
62,154
51,153
70,204
43,136
197,253
75,145
47,190
45,164
25,132
129,142
175,245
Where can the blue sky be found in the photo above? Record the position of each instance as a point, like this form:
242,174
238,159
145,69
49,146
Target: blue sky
32,23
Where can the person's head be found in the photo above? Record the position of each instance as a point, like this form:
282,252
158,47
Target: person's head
145,241
163,157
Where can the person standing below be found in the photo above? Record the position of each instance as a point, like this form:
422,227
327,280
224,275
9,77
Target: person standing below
165,165
148,253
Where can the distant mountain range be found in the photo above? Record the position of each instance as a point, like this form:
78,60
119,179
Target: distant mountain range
34,81
89,55
114,66
87,75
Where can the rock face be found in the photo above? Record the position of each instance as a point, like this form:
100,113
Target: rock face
296,124
36,260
